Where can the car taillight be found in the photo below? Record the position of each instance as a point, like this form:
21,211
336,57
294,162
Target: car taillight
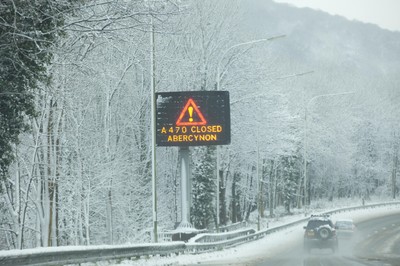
309,233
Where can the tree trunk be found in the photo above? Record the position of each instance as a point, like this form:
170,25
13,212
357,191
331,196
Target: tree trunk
109,216
235,205
250,195
222,200
271,190
394,169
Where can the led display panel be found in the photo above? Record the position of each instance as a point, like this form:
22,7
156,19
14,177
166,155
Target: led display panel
193,118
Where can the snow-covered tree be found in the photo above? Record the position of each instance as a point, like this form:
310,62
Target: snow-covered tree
203,188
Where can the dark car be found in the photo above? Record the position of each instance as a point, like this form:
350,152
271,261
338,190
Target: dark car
320,233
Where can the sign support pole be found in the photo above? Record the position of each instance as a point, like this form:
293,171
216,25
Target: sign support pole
217,188
185,188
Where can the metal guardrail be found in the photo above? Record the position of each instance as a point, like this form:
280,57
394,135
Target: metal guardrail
36,257
166,236
217,237
202,243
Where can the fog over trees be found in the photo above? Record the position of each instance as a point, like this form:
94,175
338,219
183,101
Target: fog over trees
75,115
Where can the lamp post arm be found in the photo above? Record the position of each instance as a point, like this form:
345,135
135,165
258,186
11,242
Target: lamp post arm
327,95
218,78
295,75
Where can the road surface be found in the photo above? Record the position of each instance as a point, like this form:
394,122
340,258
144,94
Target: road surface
375,243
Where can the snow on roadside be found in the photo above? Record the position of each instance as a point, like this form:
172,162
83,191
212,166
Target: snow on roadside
251,252
238,255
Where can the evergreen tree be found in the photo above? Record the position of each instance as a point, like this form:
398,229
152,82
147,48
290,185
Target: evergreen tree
291,177
28,29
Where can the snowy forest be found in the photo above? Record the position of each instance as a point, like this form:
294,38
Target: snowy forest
314,103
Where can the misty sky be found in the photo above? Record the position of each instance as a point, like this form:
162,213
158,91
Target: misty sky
385,13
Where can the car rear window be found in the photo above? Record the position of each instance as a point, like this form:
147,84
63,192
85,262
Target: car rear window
317,223
344,224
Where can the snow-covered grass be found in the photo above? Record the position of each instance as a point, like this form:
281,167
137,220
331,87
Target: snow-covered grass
269,245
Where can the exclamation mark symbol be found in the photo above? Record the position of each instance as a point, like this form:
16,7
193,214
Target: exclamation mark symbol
190,109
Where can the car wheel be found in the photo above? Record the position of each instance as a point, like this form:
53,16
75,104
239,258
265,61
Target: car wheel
324,233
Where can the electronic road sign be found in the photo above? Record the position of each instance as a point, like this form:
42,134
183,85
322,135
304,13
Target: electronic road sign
193,118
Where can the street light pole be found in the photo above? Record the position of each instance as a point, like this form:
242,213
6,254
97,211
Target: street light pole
218,80
153,133
306,198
